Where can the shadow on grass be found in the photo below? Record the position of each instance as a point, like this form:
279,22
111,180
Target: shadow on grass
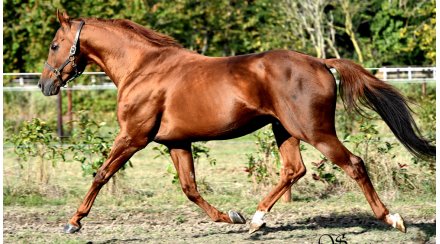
343,221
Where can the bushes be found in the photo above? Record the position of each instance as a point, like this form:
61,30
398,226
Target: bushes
263,167
19,107
89,144
35,140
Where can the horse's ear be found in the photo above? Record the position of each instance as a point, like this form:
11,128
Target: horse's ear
63,18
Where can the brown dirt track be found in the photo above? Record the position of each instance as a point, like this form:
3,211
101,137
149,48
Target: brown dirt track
188,225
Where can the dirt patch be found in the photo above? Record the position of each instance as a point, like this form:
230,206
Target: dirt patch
184,225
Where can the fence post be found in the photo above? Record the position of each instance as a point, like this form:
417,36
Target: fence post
69,110
60,116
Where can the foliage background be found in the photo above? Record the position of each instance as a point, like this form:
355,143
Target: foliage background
373,32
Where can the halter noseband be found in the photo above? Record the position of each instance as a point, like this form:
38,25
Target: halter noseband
70,59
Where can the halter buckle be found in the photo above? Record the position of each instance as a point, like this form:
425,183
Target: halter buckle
56,72
72,50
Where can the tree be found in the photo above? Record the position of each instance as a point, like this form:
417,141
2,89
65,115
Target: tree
377,32
424,30
396,35
29,27
219,28
312,22
349,10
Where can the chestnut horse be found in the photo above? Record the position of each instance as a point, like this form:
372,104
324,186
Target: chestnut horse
174,96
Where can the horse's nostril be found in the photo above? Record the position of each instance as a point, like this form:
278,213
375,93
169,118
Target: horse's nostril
39,85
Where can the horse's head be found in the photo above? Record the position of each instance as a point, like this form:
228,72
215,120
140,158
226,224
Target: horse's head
65,61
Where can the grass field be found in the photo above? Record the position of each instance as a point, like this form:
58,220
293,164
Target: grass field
145,207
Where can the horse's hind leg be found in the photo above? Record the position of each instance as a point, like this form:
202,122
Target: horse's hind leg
293,169
309,116
354,166
183,161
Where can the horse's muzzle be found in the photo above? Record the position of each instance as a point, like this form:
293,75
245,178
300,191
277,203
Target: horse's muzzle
48,87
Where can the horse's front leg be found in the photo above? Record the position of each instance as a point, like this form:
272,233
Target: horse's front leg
123,148
183,161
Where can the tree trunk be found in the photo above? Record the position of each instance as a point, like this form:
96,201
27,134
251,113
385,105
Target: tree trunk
331,40
69,111
345,4
60,116
308,17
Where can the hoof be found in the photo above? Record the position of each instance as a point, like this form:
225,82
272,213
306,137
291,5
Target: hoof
400,223
397,222
254,227
257,221
236,217
70,229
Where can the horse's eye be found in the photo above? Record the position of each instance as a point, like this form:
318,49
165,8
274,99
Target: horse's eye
54,46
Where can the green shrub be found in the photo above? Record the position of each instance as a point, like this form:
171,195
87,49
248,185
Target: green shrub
89,144
35,139
263,167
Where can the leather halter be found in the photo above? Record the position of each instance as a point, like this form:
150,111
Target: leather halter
71,59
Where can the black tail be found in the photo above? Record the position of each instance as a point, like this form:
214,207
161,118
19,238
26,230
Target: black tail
357,84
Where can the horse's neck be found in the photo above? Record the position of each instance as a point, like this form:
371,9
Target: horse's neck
114,52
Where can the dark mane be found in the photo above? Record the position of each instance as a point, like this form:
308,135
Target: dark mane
151,36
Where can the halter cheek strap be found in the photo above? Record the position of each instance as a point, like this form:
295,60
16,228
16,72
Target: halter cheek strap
71,59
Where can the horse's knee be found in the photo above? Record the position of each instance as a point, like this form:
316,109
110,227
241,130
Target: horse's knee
191,193
302,171
357,169
101,177
291,174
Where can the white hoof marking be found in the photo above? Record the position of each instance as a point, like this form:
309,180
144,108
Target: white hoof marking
394,218
258,218
397,222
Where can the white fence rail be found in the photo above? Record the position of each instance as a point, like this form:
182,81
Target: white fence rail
28,81
405,74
